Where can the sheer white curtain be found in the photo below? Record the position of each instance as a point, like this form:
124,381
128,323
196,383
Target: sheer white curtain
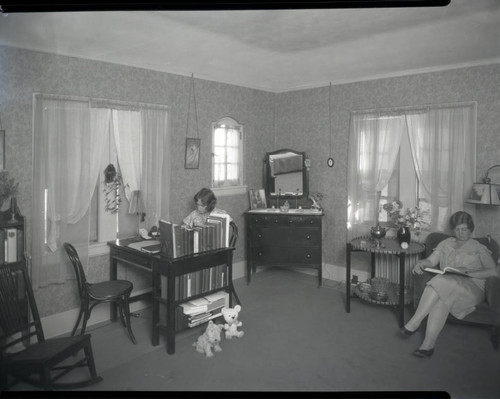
67,142
373,149
154,177
443,145
127,131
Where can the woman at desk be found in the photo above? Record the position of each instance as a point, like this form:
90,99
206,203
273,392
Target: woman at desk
205,201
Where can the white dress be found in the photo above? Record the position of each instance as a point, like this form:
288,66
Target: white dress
461,294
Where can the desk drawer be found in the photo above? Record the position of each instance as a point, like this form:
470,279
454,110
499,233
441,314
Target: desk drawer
130,257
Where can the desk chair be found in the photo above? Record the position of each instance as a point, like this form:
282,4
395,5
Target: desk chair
19,322
92,294
234,234
486,313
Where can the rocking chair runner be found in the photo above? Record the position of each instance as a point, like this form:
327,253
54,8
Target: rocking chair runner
19,323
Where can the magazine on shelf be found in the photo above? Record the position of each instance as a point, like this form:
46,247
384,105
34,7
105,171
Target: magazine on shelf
446,270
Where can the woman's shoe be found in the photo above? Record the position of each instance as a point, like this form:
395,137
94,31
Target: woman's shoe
405,332
423,352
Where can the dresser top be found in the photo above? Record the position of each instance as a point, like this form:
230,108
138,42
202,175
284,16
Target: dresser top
274,211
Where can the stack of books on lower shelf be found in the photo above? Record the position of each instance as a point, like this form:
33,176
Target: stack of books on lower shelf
200,310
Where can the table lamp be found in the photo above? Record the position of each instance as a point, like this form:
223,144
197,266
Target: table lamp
485,193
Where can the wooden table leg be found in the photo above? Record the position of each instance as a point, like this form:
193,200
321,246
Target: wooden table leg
348,278
113,267
156,294
401,290
170,314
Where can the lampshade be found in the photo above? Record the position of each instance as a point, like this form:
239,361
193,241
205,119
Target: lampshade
484,193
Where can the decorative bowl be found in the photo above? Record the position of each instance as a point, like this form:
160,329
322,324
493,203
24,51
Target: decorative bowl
378,232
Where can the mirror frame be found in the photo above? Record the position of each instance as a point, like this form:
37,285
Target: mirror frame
268,179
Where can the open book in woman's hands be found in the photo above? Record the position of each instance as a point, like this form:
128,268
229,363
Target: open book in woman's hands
446,270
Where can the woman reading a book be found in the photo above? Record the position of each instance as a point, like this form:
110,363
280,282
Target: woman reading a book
451,293
205,201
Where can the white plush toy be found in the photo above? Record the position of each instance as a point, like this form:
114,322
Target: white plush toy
232,323
209,339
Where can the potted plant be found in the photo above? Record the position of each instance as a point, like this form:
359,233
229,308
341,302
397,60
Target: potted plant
8,187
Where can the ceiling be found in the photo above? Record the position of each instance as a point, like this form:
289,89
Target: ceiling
273,50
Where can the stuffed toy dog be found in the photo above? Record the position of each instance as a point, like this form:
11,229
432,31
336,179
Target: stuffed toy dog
209,339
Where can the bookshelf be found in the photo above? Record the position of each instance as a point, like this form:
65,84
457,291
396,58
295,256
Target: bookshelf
12,238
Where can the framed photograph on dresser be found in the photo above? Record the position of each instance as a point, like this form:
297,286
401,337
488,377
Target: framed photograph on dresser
257,199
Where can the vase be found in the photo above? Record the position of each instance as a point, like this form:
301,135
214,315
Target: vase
404,235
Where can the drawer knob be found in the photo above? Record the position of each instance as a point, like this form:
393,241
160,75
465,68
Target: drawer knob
308,256
311,221
259,235
308,237
290,221
260,253
276,221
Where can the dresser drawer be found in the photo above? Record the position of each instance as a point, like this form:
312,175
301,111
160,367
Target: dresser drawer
283,220
285,236
288,256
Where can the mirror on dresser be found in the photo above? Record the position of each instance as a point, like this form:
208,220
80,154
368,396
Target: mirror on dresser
286,177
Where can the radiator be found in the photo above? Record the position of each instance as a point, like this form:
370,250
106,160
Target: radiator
388,266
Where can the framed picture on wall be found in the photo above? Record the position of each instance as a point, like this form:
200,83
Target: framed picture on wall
257,199
2,149
192,153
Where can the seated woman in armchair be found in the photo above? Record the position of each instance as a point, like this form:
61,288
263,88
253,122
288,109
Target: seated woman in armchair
451,293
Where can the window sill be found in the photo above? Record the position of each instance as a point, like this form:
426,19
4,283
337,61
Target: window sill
229,190
98,249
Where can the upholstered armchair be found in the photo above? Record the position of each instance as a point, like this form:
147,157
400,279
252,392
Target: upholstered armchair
488,312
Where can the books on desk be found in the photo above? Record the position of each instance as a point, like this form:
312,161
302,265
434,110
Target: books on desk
149,246
181,240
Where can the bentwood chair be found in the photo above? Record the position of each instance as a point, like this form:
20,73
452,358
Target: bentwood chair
39,363
486,313
92,294
234,234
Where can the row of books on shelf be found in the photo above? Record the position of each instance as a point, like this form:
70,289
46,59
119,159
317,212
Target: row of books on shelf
180,240
11,245
200,310
196,283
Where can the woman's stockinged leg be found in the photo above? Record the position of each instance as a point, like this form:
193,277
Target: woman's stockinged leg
428,299
435,323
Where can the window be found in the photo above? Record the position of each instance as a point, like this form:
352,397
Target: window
76,139
227,154
421,156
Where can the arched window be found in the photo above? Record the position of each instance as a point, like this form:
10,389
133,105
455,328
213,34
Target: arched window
227,153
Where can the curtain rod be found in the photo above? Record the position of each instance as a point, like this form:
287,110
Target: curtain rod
103,101
415,107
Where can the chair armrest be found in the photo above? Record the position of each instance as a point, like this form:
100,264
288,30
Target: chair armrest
492,291
419,282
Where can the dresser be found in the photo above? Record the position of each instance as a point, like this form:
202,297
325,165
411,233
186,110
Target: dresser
284,239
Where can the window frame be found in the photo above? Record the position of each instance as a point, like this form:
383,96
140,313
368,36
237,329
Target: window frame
229,189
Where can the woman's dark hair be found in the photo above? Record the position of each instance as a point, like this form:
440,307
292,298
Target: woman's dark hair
461,217
207,198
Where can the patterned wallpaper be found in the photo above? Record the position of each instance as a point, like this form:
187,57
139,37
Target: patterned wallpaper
302,123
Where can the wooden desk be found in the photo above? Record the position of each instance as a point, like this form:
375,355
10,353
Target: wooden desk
170,268
387,246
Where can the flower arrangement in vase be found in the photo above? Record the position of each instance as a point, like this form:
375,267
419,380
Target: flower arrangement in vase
405,219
